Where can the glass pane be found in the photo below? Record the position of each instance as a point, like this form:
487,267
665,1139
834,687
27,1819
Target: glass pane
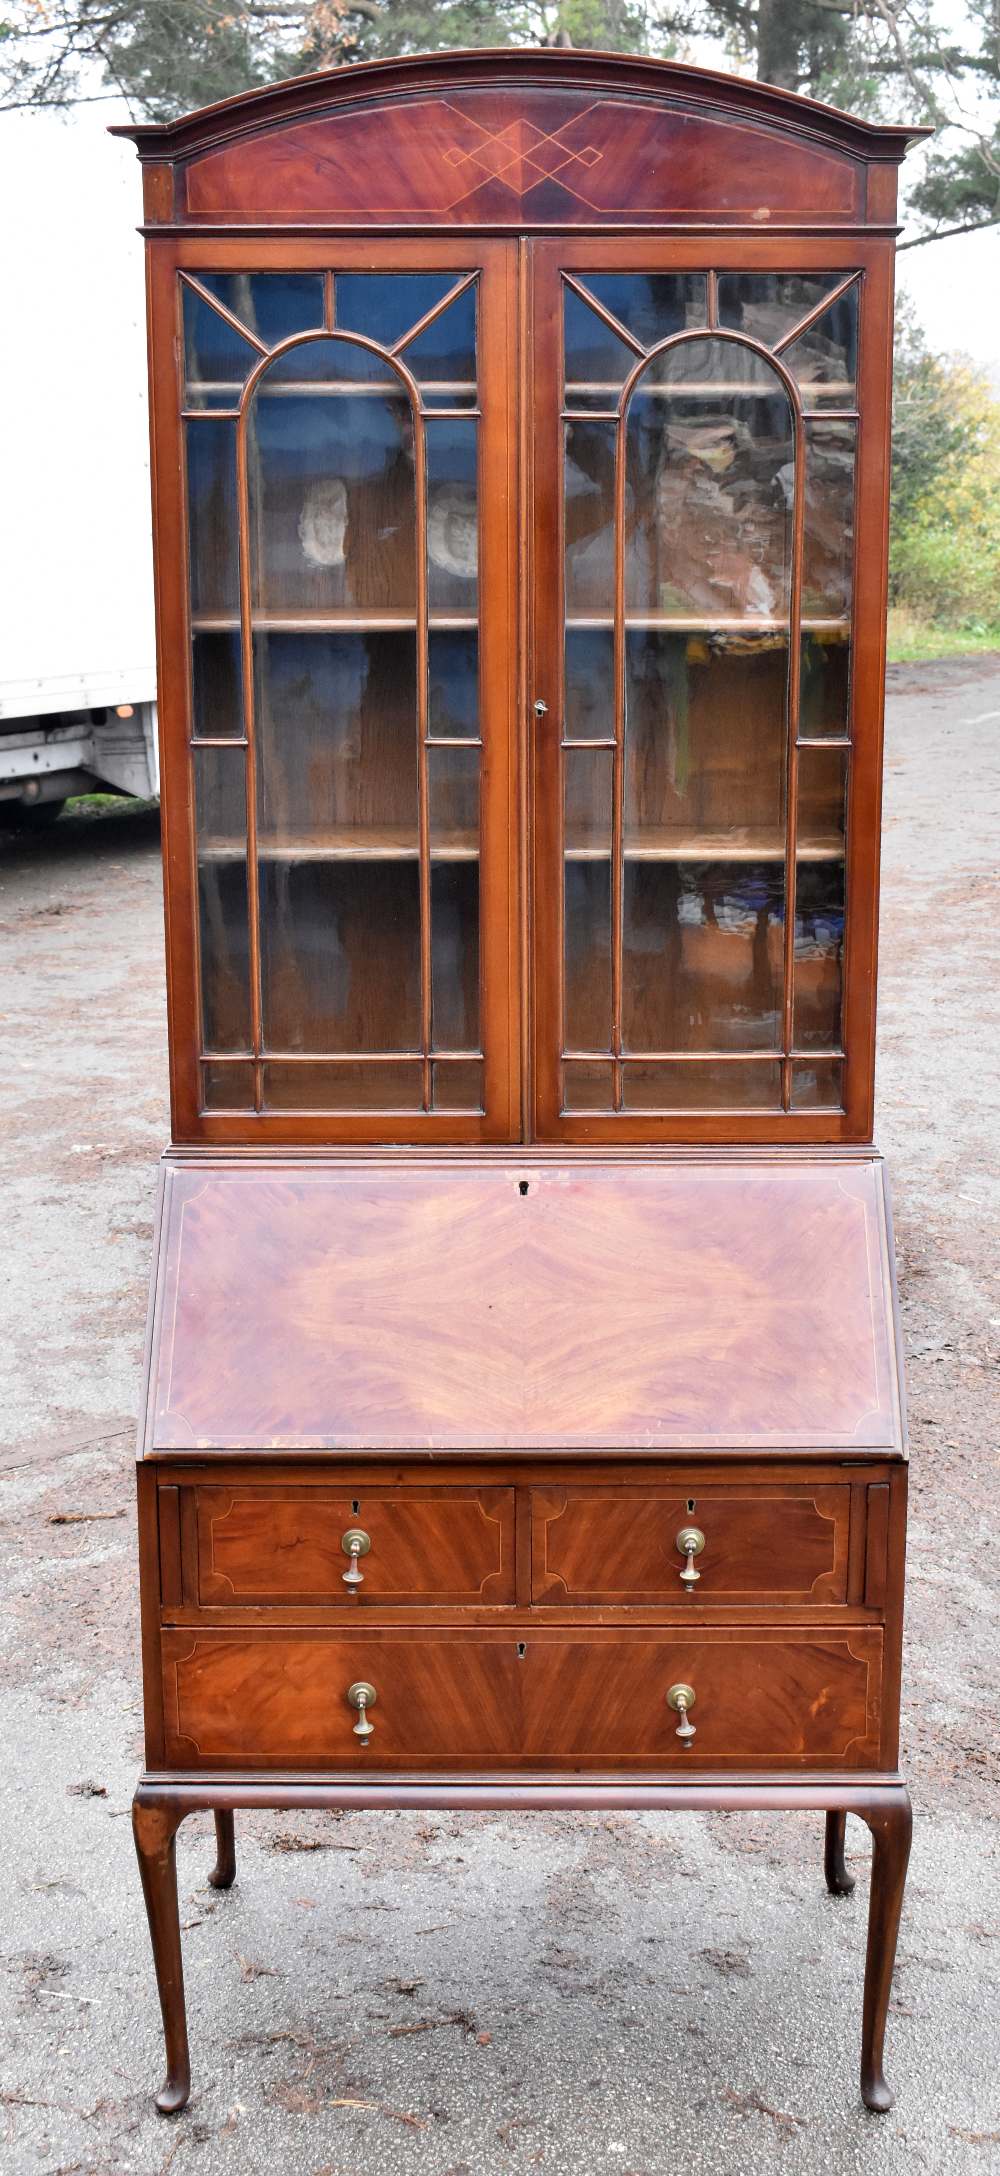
824,362
337,741
587,776
597,362
818,1085
332,497
452,517
217,686
708,489
227,1087
453,775
828,550
825,685
223,939
705,743
274,305
587,1085
458,1087
444,355
360,1087
212,531
651,305
385,306
217,361
589,705
587,955
453,683
822,803
819,946
340,954
703,955
590,518
455,954
703,1085
768,305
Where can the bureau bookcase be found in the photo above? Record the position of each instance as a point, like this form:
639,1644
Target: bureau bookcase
523,1423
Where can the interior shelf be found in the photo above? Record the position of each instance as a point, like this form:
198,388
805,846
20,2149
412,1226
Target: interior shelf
277,390
349,844
718,388
706,623
661,845
322,623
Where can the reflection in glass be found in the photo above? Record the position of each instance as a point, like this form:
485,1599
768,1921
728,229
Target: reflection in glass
709,486
217,360
702,1085
705,739
587,800
703,955
824,362
819,946
589,700
210,448
366,1086
590,518
652,306
457,1087
220,818
227,1087
337,739
443,357
453,775
274,305
768,305
587,1085
818,1084
340,955
455,954
825,685
597,362
332,495
587,955
387,305
822,802
453,683
216,686
452,515
828,547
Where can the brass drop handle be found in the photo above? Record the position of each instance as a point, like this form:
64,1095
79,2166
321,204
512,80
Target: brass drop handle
681,1698
355,1543
690,1542
362,1696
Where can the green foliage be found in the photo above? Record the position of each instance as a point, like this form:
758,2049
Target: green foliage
944,563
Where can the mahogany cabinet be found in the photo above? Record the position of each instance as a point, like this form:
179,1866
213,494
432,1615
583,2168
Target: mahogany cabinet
523,1419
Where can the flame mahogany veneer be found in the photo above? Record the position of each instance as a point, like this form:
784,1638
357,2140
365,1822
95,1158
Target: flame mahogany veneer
522,1352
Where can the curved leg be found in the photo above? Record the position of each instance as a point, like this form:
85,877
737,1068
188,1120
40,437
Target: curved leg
891,1830
838,1880
223,1873
155,1831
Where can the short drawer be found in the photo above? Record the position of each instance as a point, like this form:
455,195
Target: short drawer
757,1543
560,1699
256,1545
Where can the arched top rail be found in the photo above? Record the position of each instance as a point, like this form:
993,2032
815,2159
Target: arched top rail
514,139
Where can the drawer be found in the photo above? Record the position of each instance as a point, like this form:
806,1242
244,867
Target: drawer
561,1699
762,1543
257,1546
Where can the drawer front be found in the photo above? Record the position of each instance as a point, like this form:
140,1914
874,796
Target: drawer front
558,1699
284,1546
762,1543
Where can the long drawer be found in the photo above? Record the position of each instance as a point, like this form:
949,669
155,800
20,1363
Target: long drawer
556,1698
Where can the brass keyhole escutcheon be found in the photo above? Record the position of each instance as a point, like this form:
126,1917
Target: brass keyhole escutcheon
362,1696
354,1543
681,1698
690,1541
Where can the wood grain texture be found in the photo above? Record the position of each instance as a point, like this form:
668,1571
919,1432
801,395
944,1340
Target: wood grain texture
283,1545
766,1698
619,1547
438,1306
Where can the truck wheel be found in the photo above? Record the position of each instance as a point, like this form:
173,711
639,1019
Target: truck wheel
29,815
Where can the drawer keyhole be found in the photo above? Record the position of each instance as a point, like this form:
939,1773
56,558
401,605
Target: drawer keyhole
521,1650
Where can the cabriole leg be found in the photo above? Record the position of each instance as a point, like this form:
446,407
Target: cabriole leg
223,1873
155,1830
838,1880
891,1830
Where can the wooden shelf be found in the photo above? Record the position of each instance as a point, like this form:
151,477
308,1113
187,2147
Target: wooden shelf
388,386
710,389
660,845
347,844
322,623
704,623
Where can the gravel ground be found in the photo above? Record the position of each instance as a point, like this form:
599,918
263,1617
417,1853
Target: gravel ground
455,1995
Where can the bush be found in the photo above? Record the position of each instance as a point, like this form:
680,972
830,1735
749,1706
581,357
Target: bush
944,561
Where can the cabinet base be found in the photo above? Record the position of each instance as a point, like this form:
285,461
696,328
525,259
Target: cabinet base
162,1802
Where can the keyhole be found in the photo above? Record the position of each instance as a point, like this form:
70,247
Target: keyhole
522,1186
356,1505
521,1649
691,1504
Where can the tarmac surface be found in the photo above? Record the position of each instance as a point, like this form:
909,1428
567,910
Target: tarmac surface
476,1995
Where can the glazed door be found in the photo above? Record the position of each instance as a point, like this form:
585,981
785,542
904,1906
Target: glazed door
706,690
336,687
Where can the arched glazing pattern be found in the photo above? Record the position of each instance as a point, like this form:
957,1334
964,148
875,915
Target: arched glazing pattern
709,447
332,490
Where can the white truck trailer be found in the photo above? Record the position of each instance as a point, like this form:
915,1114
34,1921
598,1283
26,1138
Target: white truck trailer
77,662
